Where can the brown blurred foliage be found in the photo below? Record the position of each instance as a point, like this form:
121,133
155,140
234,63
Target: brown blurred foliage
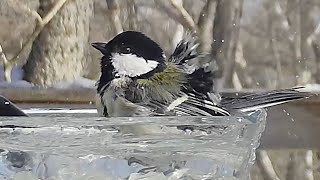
270,43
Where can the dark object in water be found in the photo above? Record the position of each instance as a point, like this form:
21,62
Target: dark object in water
7,108
18,159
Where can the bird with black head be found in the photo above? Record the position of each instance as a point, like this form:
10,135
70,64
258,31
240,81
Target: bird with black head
138,80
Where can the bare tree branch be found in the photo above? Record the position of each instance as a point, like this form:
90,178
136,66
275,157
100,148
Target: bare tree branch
300,165
226,30
265,165
316,50
113,6
241,62
285,19
293,29
205,25
178,35
161,6
41,22
309,165
314,34
52,12
188,21
6,65
20,6
275,49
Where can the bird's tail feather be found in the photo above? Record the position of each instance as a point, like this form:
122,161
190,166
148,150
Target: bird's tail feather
256,101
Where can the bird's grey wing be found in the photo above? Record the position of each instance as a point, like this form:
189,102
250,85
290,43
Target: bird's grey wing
200,105
256,101
188,104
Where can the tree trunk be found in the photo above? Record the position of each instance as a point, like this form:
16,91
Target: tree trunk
205,25
60,51
225,38
316,50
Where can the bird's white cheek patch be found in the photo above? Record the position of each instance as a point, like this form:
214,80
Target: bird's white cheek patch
131,65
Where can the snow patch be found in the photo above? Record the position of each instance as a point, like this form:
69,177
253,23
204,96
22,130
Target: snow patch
16,84
59,111
76,84
313,88
16,73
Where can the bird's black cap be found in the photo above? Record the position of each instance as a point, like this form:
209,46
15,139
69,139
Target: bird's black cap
132,42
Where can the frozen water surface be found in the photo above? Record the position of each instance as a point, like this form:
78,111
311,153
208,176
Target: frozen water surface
75,144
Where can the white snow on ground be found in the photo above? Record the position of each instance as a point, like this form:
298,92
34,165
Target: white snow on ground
17,82
76,84
16,73
314,88
58,111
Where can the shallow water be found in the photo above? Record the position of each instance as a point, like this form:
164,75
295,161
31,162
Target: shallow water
75,144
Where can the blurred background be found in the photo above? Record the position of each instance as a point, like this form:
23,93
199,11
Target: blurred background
46,56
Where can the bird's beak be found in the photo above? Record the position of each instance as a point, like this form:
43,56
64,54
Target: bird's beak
100,46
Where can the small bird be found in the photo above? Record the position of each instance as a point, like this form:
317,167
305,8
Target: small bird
138,80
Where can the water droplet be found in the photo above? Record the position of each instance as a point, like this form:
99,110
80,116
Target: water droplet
292,119
234,24
222,40
257,83
284,110
297,76
6,103
288,114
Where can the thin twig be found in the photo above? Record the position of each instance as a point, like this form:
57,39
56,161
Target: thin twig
53,11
